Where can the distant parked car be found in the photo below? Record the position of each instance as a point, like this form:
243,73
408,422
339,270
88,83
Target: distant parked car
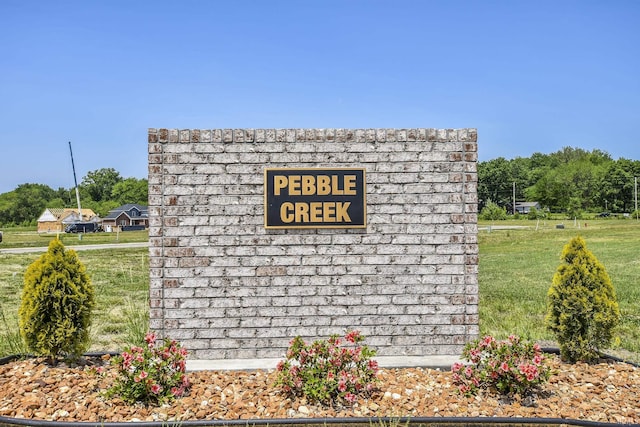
0,236
604,214
82,227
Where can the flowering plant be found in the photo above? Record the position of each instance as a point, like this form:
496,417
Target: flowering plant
510,366
152,374
327,372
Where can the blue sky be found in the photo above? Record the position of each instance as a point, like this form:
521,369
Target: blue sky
531,76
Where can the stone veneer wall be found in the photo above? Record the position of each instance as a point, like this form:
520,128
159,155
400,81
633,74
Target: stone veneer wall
228,288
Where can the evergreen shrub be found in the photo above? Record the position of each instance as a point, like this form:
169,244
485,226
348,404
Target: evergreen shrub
56,304
535,213
582,309
493,212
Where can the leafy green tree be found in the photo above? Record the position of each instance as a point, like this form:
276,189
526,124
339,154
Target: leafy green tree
522,175
494,181
57,300
6,208
616,187
574,210
131,190
571,186
102,208
551,191
582,309
25,204
99,183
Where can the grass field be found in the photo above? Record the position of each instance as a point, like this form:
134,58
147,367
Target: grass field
29,238
516,267
120,278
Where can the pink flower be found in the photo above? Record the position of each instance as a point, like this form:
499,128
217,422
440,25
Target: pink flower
350,397
488,340
504,367
468,371
150,339
155,389
353,336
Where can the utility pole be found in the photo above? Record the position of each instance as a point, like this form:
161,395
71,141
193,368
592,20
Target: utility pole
75,180
514,197
635,181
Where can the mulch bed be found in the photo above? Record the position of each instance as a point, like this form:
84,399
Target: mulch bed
603,392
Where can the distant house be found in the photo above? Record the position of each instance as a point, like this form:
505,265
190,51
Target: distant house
127,215
54,220
525,207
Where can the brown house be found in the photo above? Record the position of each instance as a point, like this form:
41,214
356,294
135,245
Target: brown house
54,220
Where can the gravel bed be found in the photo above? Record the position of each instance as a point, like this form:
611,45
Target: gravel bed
603,392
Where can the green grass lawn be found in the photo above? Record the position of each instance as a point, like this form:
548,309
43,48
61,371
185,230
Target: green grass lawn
516,267
121,281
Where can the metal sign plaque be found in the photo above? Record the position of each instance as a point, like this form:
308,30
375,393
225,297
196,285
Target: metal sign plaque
315,198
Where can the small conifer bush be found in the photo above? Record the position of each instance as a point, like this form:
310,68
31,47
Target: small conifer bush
582,309
55,309
493,212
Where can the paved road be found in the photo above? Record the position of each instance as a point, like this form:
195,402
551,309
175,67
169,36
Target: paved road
77,247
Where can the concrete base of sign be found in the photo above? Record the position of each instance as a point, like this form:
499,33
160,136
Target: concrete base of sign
442,362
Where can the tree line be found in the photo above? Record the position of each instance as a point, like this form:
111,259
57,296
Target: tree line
571,181
101,191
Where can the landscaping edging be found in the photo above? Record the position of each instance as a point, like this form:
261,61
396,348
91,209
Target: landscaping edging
323,422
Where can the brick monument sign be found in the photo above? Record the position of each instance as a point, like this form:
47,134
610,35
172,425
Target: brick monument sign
260,235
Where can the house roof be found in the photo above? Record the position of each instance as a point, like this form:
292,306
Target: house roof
125,209
58,214
525,204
